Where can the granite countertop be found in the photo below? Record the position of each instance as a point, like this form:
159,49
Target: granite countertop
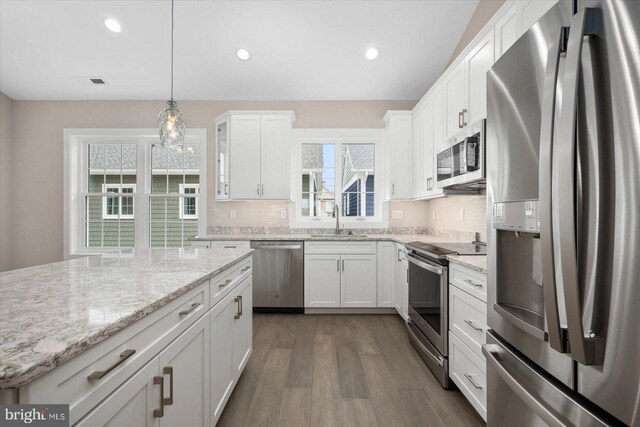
475,262
51,313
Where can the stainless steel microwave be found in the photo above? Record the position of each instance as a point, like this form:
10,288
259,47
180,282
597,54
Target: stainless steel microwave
462,165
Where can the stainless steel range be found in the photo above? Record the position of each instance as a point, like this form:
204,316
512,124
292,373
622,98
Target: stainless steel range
428,300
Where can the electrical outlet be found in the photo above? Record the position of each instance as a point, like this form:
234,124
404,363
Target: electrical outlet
461,214
397,214
283,214
232,214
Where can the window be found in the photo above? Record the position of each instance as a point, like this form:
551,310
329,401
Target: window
122,189
118,207
189,205
338,168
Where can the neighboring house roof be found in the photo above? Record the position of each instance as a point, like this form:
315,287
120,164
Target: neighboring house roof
113,157
312,157
357,158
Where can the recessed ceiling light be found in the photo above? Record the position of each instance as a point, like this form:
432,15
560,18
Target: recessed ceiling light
113,25
372,53
243,54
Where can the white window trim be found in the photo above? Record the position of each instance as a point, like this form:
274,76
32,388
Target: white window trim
338,137
119,215
181,214
75,180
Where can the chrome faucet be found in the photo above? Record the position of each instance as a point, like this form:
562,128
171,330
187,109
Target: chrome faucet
336,215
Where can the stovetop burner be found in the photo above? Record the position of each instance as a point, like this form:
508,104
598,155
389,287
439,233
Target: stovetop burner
441,250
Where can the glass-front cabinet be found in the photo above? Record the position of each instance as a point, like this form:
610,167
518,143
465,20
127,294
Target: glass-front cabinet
222,159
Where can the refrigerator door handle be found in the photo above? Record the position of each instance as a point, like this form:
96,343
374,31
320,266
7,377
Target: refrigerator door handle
494,353
546,201
584,348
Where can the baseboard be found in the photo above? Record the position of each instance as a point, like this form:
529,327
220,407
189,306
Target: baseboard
351,310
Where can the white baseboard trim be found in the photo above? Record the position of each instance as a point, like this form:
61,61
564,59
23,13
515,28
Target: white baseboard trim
339,310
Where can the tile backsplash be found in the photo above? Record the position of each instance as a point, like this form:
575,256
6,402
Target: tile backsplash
457,217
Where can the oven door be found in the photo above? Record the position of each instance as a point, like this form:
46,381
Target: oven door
428,300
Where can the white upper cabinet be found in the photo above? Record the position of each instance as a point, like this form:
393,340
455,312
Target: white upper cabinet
507,30
439,139
245,156
398,152
418,188
275,152
428,149
455,100
533,10
257,150
477,63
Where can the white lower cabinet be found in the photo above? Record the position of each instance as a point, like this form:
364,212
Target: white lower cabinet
322,280
358,281
387,260
468,371
402,282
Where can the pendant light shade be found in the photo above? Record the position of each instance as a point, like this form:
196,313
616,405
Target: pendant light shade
172,126
170,120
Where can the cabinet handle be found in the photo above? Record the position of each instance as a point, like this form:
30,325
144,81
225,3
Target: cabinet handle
98,375
237,301
464,121
245,269
473,383
225,283
230,247
342,265
460,120
159,413
262,189
241,307
393,189
398,255
168,370
472,283
189,310
226,189
258,189
473,325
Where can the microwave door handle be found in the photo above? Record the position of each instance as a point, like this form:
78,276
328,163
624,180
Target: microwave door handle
550,293
584,348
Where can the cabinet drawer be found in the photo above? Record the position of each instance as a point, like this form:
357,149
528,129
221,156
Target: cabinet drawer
333,247
223,283
468,319
221,244
468,280
468,371
120,356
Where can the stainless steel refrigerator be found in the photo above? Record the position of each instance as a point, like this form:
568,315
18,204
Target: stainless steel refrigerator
563,192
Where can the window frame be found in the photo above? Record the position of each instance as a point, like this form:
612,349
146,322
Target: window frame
119,215
181,213
338,137
76,187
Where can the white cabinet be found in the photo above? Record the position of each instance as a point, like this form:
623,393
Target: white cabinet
358,281
184,368
256,149
477,63
427,157
322,280
455,100
387,260
507,29
398,153
469,373
402,283
341,279
243,327
418,188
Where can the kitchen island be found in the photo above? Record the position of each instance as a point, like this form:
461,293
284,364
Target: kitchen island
98,331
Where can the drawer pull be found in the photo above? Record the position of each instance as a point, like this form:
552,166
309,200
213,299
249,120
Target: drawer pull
159,413
225,283
189,310
245,269
168,370
473,383
98,375
472,283
237,300
473,325
230,247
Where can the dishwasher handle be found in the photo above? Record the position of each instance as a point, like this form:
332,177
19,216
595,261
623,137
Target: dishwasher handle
271,245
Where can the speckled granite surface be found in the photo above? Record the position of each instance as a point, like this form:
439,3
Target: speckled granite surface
475,262
52,312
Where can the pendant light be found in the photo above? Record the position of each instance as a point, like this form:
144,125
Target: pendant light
170,120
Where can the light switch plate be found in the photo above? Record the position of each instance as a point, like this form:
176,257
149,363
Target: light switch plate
232,214
397,214
283,214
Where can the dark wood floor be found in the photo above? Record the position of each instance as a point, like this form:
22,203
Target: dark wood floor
339,370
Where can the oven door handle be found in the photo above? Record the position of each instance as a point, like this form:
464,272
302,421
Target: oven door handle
427,266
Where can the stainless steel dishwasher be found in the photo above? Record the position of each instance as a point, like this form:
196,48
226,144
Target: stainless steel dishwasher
278,276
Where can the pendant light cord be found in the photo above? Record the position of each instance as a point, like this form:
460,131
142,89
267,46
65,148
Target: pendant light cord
171,50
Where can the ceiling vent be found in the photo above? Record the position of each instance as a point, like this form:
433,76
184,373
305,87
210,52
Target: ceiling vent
90,81
98,81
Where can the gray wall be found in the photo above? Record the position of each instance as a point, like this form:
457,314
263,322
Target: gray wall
36,155
6,124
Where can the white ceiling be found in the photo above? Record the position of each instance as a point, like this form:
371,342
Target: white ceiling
300,50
